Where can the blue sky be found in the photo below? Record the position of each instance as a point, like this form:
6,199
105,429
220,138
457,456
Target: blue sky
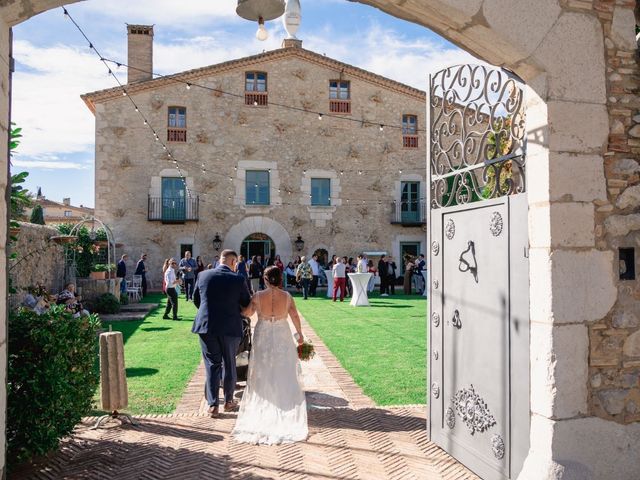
54,66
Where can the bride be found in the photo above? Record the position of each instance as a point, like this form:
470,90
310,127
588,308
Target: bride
273,408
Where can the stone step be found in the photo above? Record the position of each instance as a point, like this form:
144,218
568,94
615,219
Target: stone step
122,316
138,307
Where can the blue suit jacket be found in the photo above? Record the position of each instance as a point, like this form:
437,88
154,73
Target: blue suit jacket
219,295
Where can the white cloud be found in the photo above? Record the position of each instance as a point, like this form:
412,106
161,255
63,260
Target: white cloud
179,15
49,165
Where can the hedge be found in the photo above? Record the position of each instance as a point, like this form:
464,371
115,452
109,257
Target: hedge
52,376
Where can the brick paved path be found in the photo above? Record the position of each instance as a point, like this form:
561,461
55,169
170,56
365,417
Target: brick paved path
348,439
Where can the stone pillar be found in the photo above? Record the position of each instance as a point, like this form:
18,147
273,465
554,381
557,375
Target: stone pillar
140,53
113,379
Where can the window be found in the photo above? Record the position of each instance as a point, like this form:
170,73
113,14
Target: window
255,86
409,131
339,90
255,82
257,187
321,192
177,124
410,202
340,96
67,213
173,200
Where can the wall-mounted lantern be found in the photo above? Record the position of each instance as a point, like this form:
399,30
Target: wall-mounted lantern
217,242
299,243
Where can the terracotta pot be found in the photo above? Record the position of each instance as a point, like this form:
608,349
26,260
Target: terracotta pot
101,243
14,231
98,275
62,239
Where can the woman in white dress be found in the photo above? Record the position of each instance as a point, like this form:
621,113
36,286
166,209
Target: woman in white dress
273,408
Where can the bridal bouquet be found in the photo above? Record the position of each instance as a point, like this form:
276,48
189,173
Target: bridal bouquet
306,351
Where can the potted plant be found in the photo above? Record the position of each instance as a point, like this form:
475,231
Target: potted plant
111,270
99,271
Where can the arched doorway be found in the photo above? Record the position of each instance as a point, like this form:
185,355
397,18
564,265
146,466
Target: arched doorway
258,244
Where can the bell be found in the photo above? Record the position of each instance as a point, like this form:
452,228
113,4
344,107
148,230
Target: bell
256,9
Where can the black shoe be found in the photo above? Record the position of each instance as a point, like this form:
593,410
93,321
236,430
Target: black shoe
165,317
177,318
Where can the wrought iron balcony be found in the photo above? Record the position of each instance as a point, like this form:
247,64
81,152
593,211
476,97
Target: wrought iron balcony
174,209
340,106
409,213
176,135
257,99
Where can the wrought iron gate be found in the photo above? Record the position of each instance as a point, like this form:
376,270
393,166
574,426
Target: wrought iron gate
479,308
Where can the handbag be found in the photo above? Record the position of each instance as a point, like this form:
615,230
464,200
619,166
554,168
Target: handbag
177,289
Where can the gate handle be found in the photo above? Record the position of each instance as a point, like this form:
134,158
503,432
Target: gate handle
465,266
455,321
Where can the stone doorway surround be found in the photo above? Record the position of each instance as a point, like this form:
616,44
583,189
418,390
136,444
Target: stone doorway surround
235,236
577,57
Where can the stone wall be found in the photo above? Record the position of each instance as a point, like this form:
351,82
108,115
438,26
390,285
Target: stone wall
225,138
614,361
38,260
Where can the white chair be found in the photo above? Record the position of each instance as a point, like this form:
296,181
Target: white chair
134,290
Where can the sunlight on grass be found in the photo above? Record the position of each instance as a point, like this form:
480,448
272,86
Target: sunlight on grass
161,356
383,347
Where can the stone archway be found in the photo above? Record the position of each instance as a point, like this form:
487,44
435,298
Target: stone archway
251,225
558,48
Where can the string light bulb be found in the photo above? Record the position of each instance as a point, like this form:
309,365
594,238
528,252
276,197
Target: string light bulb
381,127
188,86
261,34
319,116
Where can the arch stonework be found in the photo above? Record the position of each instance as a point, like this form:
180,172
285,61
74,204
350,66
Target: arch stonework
236,234
582,135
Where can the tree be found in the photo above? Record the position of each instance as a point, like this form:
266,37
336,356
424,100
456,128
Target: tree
37,215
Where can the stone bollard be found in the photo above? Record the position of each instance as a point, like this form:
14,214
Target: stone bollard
113,380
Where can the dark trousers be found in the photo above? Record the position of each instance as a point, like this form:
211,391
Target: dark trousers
384,285
305,287
314,286
144,286
339,283
188,287
172,303
216,350
392,284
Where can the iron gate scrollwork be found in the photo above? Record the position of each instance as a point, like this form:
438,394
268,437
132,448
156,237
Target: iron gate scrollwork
477,135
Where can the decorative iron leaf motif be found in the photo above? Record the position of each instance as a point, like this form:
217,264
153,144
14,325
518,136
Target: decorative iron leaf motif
450,229
496,224
436,284
473,410
497,446
450,418
435,390
435,318
477,135
435,248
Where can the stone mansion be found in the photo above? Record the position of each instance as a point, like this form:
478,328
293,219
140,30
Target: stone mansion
343,171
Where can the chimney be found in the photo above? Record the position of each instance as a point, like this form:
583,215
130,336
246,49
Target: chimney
291,43
66,201
140,54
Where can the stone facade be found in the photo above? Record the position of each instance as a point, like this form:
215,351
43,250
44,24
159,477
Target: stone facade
225,138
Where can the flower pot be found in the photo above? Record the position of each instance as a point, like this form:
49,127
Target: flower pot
13,231
63,239
98,275
101,243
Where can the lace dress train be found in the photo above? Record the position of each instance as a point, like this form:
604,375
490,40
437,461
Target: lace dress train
273,408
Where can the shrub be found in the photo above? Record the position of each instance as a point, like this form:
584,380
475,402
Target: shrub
52,376
107,303
37,215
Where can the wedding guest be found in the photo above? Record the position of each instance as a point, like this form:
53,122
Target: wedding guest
71,301
334,260
339,273
165,265
171,282
372,281
361,266
290,276
391,275
278,263
121,273
216,261
418,278
304,275
188,268
315,272
383,272
242,270
255,273
408,273
199,266
141,269
209,266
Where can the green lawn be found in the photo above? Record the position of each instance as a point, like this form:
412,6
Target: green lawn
383,347
161,356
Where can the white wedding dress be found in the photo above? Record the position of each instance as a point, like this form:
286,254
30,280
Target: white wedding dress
273,408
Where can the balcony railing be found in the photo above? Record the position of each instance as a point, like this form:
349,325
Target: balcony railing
174,210
409,213
340,106
410,141
176,134
257,99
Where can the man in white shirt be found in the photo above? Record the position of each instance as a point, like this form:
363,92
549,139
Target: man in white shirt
315,271
362,264
339,279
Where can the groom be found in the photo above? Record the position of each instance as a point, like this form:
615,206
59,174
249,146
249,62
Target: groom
219,295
